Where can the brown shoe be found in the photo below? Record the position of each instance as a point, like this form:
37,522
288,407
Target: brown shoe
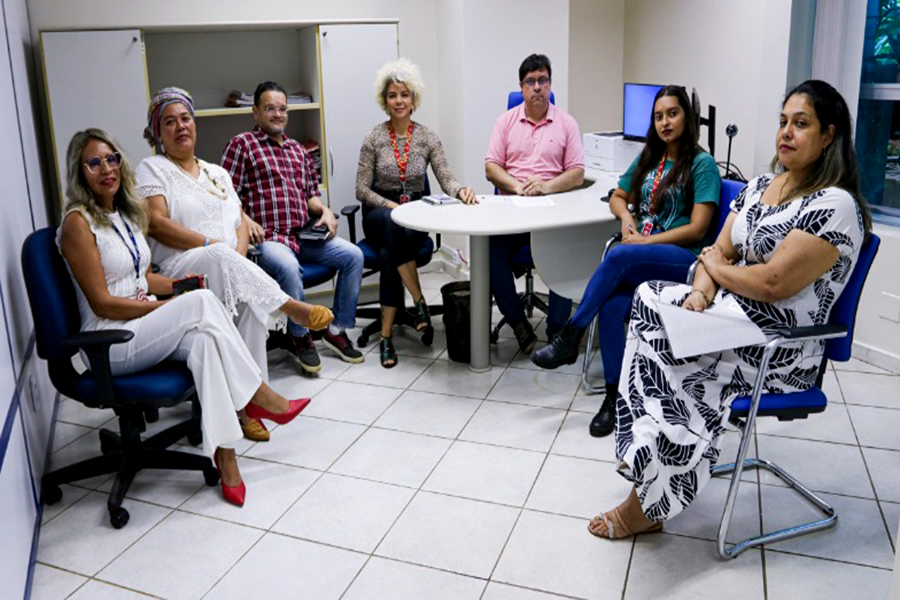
255,430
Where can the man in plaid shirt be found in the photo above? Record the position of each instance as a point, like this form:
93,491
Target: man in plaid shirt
276,181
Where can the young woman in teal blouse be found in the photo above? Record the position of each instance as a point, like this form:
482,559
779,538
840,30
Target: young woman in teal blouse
665,202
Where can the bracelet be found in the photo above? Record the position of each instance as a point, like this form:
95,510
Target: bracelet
703,295
206,242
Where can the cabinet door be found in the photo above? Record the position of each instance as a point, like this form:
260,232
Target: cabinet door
96,79
351,55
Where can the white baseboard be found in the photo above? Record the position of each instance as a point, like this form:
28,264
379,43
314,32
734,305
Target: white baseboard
877,357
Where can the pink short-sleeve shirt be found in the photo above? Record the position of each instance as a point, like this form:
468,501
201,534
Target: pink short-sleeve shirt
546,149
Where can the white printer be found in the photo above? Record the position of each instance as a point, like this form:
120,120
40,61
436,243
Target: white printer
608,151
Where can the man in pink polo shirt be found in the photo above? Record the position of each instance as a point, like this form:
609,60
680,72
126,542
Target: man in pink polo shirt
535,149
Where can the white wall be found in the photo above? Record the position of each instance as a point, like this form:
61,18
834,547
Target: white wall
734,53
596,59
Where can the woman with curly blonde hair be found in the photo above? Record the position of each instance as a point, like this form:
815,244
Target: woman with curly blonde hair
392,171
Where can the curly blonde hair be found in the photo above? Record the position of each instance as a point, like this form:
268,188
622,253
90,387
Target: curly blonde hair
402,71
79,195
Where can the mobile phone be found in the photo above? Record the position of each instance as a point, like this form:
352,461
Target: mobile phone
187,284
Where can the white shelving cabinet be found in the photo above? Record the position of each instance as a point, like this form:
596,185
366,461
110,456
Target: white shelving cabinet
105,78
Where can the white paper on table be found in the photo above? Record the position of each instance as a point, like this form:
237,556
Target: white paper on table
532,201
721,327
492,198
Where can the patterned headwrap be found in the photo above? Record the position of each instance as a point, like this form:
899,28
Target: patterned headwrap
158,104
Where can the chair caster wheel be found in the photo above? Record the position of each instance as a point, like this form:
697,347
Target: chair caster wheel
195,438
428,335
51,494
494,337
362,340
210,476
118,517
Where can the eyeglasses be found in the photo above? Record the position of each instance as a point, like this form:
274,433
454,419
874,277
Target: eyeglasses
272,110
111,160
541,81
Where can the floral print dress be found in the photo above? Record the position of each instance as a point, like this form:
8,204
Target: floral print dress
670,413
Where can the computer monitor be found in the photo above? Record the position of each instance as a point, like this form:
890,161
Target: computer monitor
637,110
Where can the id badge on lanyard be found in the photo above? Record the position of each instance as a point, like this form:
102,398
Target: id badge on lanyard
647,227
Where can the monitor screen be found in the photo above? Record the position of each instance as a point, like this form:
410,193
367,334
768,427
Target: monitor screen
638,107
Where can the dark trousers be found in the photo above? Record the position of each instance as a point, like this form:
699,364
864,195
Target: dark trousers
503,283
611,287
397,246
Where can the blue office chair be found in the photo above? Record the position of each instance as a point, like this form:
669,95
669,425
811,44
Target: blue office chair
57,326
373,262
522,261
729,191
798,405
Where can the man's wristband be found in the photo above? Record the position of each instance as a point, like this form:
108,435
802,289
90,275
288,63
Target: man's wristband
206,242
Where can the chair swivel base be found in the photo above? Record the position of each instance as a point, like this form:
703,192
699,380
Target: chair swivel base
726,552
529,301
126,459
403,317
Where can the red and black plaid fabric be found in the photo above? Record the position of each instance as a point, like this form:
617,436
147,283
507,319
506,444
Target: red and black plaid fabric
273,182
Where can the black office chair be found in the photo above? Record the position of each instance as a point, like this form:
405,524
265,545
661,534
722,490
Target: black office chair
57,326
373,262
522,261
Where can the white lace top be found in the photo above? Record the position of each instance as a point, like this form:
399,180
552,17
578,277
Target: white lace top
117,263
207,205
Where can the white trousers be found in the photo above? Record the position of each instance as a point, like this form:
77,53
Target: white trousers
196,328
242,287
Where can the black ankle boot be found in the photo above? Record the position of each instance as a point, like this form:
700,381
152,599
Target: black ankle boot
562,349
605,420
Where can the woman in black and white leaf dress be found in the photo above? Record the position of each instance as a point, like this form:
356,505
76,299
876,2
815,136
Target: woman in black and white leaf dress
785,253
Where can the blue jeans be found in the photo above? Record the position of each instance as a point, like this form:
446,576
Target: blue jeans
283,265
503,283
610,289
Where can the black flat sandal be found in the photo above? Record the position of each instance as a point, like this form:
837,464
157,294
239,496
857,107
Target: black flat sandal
388,353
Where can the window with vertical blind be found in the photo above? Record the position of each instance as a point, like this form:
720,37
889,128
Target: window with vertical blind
878,117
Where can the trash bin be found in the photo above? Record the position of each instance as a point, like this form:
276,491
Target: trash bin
455,296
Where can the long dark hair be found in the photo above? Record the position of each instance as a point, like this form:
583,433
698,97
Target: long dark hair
837,167
680,174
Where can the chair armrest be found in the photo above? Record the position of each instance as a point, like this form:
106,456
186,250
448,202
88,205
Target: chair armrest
613,239
608,195
813,332
96,345
692,270
350,213
97,340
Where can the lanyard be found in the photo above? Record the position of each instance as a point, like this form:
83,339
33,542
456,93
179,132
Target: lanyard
402,161
659,170
136,255
647,229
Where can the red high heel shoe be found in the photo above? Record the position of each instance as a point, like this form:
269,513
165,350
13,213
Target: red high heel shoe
295,407
235,494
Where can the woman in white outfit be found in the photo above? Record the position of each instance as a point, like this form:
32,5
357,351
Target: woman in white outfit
196,226
102,241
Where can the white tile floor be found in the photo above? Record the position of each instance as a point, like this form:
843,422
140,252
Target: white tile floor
428,481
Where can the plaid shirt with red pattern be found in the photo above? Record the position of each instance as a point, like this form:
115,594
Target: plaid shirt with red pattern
273,182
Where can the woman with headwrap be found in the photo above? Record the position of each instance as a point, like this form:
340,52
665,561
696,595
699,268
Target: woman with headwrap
196,226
